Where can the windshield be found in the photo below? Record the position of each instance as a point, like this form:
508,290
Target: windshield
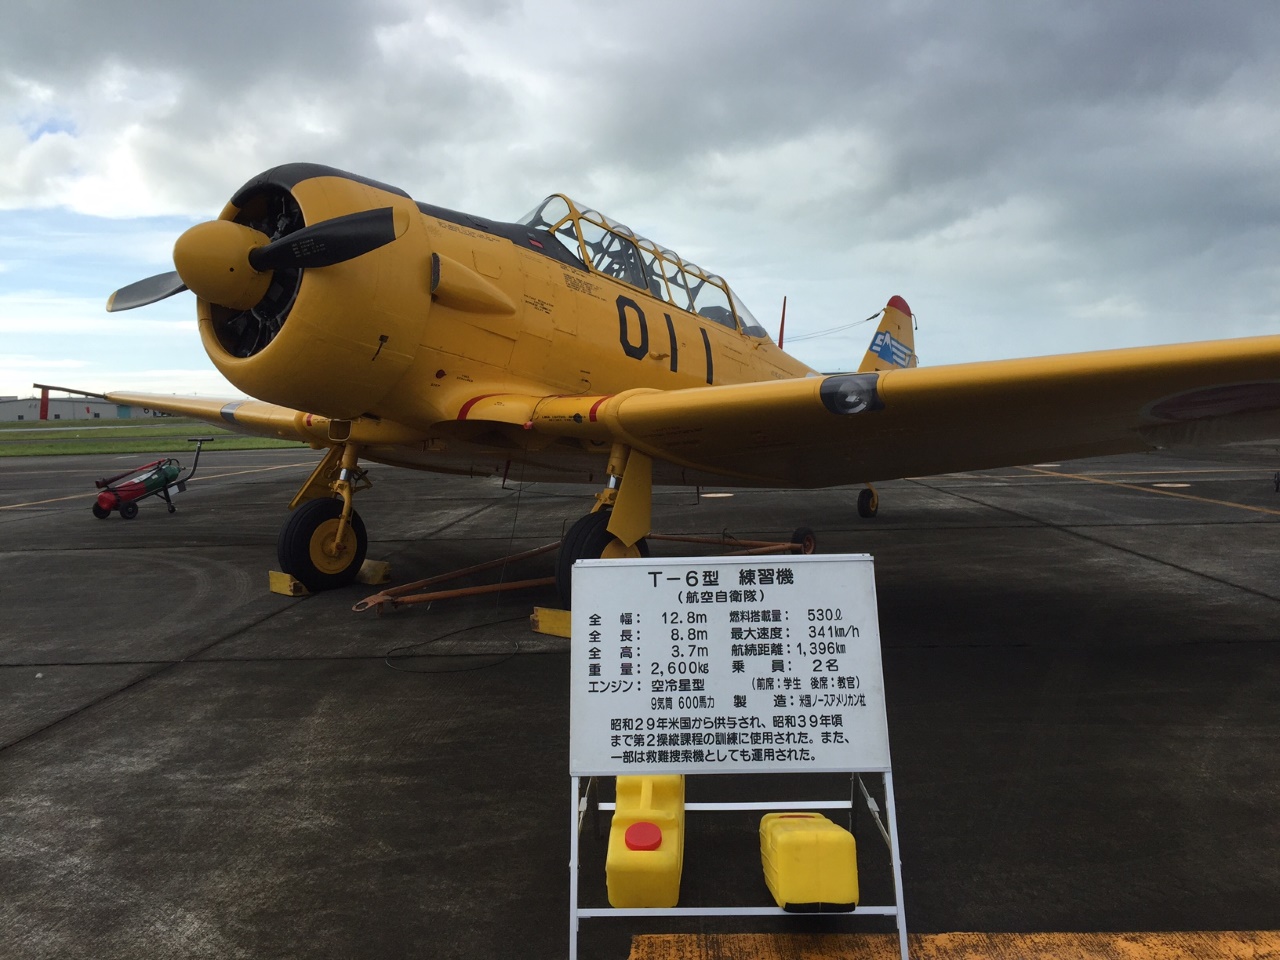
614,250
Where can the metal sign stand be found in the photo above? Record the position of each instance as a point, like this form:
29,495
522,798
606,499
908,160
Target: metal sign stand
787,648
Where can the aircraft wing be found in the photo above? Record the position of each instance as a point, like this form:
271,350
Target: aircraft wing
851,428
244,416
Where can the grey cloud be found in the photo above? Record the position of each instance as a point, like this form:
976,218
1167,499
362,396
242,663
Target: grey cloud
987,156
57,41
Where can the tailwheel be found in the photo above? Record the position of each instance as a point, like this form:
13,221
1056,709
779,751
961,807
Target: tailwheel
590,539
306,546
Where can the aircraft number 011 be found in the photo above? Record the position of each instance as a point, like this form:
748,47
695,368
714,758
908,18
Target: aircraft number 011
639,349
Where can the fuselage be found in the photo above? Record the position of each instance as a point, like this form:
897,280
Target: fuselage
459,308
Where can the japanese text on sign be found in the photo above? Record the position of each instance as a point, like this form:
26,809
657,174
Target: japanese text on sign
726,665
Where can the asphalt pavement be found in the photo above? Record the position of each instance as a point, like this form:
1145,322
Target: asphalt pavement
1081,673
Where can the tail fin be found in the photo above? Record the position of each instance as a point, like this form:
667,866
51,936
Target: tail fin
894,344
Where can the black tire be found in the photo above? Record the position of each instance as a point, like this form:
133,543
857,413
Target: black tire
100,511
303,531
805,539
868,504
128,510
587,539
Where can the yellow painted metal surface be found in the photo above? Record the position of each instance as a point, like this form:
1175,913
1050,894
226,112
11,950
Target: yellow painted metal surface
630,520
894,343
1210,945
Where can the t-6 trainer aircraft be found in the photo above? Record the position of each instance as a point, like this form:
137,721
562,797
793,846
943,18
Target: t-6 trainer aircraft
381,329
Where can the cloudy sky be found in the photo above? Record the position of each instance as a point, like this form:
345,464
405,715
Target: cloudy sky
1032,177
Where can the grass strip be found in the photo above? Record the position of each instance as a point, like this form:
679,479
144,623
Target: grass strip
161,435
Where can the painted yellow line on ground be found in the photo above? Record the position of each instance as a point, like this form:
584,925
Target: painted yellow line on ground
237,473
211,476
1152,490
1157,473
1210,945
1100,473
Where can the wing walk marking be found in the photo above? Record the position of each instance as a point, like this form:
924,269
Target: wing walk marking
1162,493
207,476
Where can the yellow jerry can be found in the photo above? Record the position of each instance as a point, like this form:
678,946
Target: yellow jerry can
810,864
646,842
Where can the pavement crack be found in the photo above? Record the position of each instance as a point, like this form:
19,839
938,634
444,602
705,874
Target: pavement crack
161,667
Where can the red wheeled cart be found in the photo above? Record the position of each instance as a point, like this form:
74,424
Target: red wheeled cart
159,478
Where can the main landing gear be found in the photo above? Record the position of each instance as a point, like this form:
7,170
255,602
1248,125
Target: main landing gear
324,541
868,502
589,539
617,526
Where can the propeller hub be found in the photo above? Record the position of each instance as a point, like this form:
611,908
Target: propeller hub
213,261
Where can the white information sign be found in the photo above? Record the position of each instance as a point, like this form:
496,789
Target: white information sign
763,664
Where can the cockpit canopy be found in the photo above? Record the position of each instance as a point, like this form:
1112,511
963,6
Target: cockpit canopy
609,248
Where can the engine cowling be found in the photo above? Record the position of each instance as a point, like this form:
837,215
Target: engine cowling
334,339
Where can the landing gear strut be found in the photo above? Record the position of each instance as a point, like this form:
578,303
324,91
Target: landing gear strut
618,524
324,541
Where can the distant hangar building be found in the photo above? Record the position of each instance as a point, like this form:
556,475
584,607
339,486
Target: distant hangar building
68,408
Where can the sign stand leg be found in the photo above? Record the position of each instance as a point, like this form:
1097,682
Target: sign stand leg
892,810
573,873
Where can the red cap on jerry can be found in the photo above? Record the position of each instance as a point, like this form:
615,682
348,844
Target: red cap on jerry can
643,835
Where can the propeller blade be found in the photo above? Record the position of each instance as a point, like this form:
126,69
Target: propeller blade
331,241
145,291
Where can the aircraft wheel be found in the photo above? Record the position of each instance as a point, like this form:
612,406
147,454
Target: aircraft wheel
172,508
101,512
806,539
128,510
301,547
589,539
868,503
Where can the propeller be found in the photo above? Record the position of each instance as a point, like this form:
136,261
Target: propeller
231,264
146,291
330,241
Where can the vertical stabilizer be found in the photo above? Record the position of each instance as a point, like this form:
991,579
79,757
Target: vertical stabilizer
894,344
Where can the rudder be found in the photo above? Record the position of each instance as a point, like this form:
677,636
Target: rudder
894,343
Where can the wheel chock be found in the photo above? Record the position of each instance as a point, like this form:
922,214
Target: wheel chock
552,622
286,584
374,572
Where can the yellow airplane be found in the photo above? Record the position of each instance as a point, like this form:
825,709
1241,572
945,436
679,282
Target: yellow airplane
381,329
